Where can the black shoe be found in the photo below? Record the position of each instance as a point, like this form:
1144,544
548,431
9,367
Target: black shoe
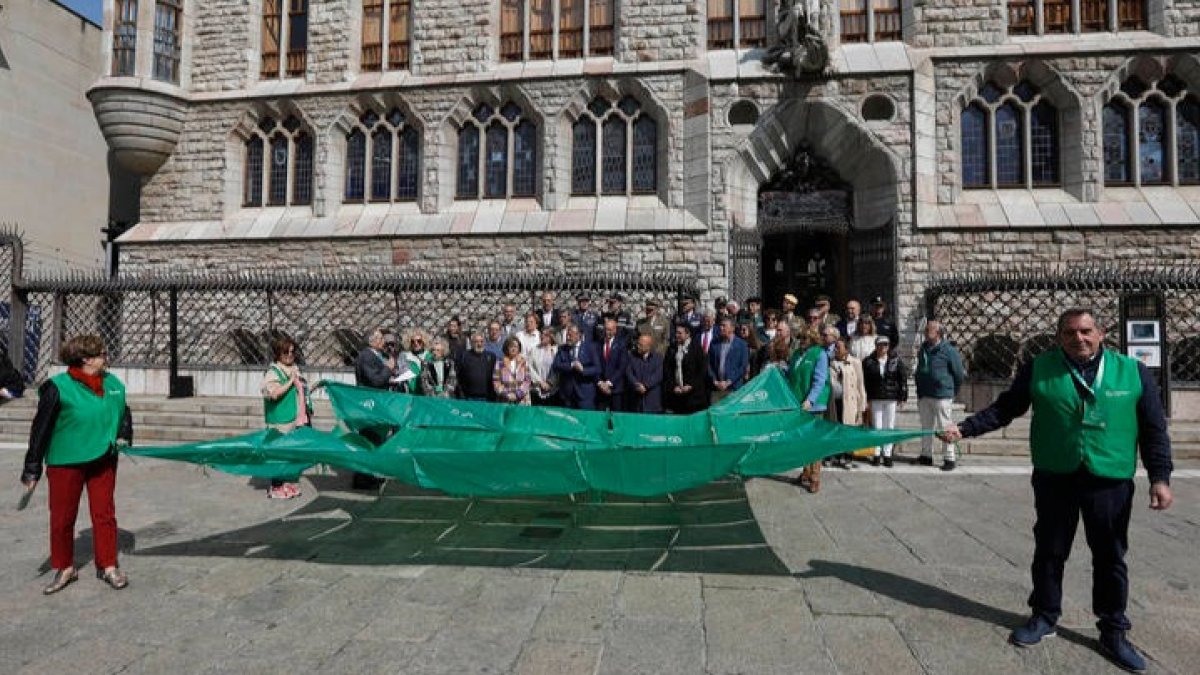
875,460
949,465
1032,632
1117,649
925,461
887,462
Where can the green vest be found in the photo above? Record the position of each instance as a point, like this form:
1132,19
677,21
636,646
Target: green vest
87,424
800,372
1099,431
283,409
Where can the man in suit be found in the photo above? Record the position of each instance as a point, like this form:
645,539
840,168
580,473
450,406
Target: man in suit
685,373
614,358
510,323
375,368
708,332
547,313
578,367
474,369
728,360
644,378
626,329
688,316
883,323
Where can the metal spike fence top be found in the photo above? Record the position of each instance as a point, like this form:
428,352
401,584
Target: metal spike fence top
1000,318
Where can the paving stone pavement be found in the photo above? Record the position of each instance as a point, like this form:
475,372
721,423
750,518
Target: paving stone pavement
883,572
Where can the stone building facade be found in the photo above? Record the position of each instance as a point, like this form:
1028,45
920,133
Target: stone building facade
54,180
862,180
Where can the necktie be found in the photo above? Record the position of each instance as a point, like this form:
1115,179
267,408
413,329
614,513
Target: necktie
607,347
707,337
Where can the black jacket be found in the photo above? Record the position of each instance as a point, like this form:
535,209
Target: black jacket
892,385
42,429
474,370
695,373
371,371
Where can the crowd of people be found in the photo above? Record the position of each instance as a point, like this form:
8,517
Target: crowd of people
843,368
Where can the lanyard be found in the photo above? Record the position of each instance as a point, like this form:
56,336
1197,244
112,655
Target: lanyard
1079,378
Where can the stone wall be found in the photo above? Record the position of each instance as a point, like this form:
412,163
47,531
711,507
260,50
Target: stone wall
1183,17
959,23
455,36
653,30
221,50
332,34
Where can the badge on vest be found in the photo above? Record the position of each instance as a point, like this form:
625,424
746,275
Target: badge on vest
1093,418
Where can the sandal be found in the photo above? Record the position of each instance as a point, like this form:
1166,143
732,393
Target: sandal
63,578
114,577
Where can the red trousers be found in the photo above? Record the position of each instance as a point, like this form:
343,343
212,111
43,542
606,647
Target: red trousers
66,487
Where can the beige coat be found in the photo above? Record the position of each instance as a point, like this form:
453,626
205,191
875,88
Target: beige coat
854,390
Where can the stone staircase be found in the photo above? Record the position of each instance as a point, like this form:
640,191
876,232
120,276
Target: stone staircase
162,421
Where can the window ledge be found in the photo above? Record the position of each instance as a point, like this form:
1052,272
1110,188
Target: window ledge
1052,207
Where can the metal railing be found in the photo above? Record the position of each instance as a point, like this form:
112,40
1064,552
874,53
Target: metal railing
227,322
1000,319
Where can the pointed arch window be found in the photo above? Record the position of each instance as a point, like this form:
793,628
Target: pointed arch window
508,159
386,22
533,30
615,149
382,158
1009,139
1150,134
279,164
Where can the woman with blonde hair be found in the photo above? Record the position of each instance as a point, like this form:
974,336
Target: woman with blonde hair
81,422
862,344
510,377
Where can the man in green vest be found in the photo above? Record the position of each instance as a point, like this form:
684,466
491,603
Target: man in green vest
1094,410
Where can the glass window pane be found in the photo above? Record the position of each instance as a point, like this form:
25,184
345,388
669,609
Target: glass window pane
1116,144
252,194
583,157
409,164
612,163
853,16
166,40
297,56
1043,131
495,162
372,35
124,38
303,171
468,162
720,24
1009,141
645,155
398,34
356,165
600,27
974,147
381,164
1187,140
1152,125
512,28
525,160
277,195
570,29
541,29
272,17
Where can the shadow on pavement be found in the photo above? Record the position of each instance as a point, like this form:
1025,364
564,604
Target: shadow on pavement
710,529
925,596
126,543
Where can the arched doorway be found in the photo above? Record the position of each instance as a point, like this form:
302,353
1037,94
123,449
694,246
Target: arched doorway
808,241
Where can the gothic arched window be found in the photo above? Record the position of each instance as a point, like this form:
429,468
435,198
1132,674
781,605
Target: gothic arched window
382,158
615,149
1009,138
279,164
509,159
1151,134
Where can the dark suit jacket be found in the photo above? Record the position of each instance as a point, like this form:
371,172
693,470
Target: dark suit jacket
647,371
737,361
370,371
695,373
577,389
612,369
557,316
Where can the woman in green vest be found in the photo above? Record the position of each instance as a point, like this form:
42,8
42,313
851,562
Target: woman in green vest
808,373
286,404
80,424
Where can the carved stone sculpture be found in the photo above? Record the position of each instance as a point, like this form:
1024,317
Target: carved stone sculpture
801,49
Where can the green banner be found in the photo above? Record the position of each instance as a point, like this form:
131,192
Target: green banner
492,449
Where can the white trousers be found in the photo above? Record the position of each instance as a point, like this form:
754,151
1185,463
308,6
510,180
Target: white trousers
935,414
883,416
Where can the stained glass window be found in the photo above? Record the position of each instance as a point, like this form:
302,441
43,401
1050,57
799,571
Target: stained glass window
974,147
1187,140
1116,144
302,178
583,156
495,161
1043,132
381,164
277,191
613,161
645,155
252,195
408,164
468,162
356,165
1152,128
